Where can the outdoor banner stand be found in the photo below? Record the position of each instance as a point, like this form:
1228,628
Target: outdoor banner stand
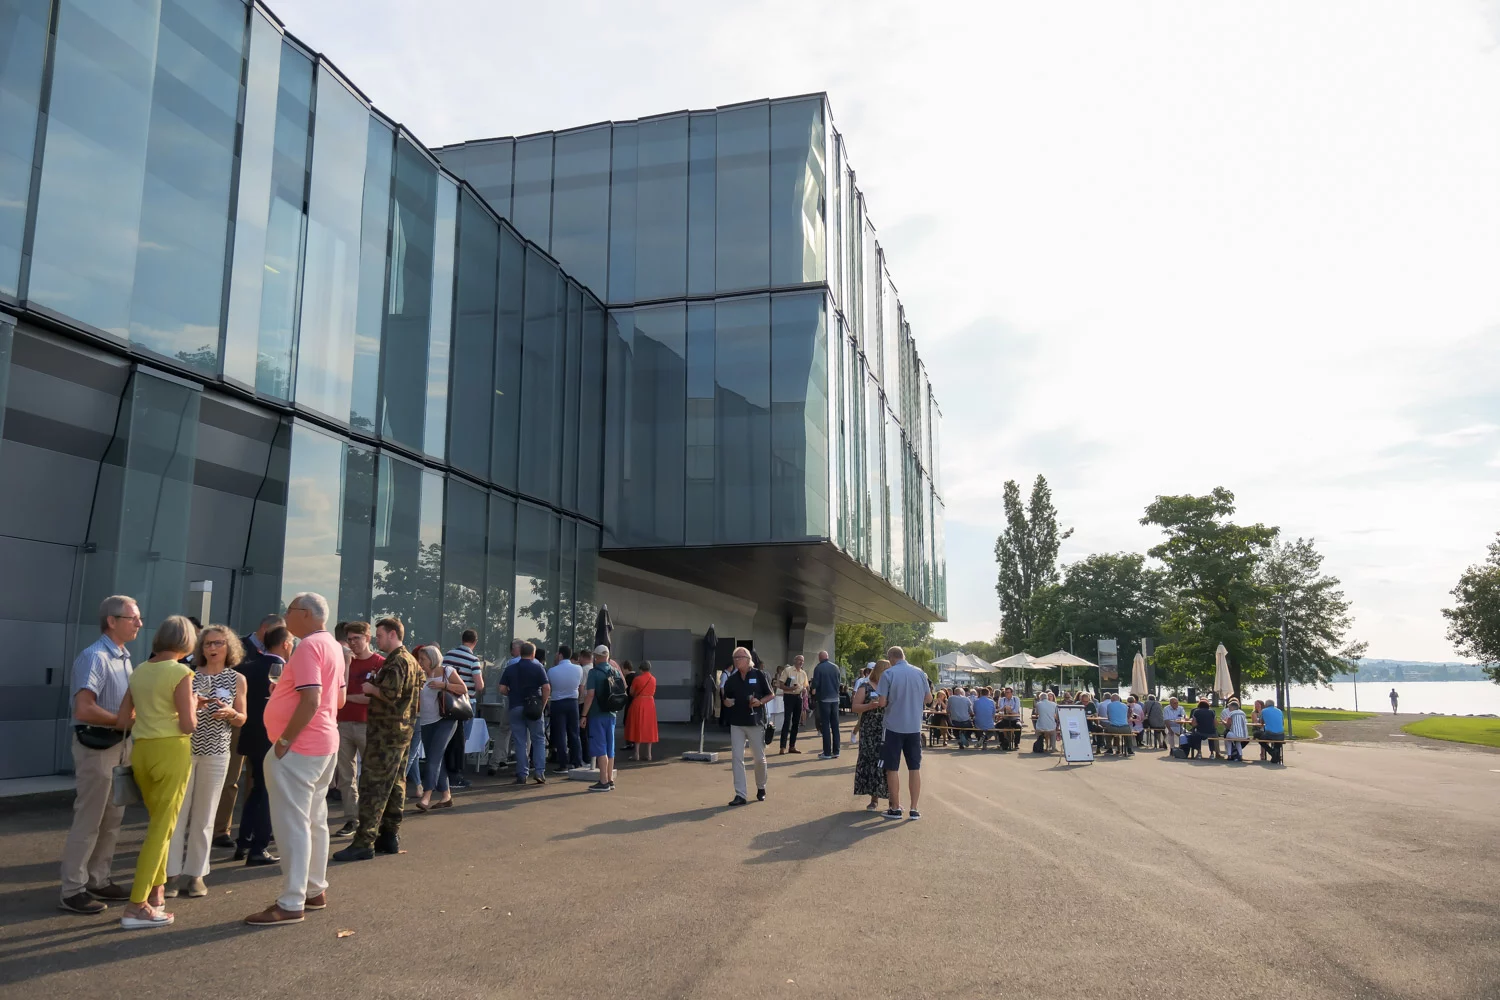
1078,747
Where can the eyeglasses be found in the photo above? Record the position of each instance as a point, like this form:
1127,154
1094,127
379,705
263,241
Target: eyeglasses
214,643
742,656
128,618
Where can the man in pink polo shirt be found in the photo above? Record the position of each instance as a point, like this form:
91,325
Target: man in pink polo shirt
302,723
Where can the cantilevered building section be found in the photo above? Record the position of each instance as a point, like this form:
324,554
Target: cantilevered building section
256,339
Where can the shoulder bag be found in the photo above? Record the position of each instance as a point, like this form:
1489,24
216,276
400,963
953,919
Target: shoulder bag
124,791
457,707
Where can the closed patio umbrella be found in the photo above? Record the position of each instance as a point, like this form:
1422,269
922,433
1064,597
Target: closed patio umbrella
710,696
603,628
1138,683
1223,686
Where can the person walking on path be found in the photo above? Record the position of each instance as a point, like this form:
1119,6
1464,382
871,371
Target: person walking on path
161,709
253,644
527,688
259,669
640,715
869,772
1394,698
903,692
302,720
354,721
101,676
792,685
216,680
746,689
603,695
394,691
566,678
825,691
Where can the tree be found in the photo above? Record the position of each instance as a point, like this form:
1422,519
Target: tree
1474,623
1211,564
1026,553
919,656
1316,613
856,644
905,634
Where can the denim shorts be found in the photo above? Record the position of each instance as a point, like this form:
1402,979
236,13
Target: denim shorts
602,735
899,744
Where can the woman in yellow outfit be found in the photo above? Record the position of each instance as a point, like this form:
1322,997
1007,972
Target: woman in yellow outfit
161,709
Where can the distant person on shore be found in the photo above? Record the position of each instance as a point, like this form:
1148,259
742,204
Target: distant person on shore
1394,697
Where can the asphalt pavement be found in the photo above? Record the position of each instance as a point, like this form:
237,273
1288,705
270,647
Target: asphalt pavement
1354,871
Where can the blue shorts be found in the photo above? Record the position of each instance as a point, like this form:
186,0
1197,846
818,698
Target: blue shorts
898,744
602,735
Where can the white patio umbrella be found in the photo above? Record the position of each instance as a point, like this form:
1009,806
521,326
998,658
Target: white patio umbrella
1223,686
1061,660
1138,677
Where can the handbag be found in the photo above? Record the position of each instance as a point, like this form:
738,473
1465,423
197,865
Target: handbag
124,791
455,706
99,737
532,708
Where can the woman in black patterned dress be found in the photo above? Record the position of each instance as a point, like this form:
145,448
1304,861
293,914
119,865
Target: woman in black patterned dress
869,769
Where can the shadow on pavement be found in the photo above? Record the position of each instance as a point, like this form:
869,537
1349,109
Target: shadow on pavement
624,826
110,944
817,838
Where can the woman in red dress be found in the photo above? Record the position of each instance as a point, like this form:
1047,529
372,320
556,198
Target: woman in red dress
640,717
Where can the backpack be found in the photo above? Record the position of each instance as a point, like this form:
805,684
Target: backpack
616,697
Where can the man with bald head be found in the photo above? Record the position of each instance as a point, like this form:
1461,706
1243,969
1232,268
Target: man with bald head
826,678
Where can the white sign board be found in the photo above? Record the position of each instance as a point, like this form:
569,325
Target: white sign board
1078,747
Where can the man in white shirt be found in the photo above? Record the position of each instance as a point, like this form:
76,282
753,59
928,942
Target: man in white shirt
566,678
791,684
961,716
1044,715
1172,716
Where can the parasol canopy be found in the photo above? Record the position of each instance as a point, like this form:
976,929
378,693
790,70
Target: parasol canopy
1223,685
1138,683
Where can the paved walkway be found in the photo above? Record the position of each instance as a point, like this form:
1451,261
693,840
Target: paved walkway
1385,730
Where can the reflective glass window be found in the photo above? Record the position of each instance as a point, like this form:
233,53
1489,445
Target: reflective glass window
699,433
314,486
330,279
890,337
622,178
403,392
374,234
500,579
257,154
464,527
742,419
259,590
440,332
591,409
356,538
895,502
585,587
536,584
798,241
23,26
833,163
567,573
652,487
556,400
703,169
580,205
409,547
799,416
487,168
742,252
619,374
571,371
661,208
531,197
545,311
133,208
506,426
874,458
474,338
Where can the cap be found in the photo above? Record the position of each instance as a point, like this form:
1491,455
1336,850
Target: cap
601,650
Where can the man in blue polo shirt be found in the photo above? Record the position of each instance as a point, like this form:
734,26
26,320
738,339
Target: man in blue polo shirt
1118,715
1272,727
903,692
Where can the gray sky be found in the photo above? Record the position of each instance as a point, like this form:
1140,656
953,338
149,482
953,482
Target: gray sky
1145,247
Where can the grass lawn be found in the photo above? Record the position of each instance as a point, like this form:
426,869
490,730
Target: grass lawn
1485,732
1305,720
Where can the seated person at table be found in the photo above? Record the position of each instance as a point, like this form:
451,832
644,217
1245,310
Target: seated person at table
1171,718
1272,727
1118,715
961,716
1091,712
1236,732
939,721
1154,724
1204,728
1044,720
1137,718
1010,720
984,716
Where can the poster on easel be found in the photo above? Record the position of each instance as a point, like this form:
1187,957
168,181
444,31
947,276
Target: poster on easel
1078,747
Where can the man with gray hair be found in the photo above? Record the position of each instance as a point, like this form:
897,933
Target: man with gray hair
302,722
101,676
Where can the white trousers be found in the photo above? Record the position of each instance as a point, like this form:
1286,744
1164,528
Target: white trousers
757,737
298,790
188,851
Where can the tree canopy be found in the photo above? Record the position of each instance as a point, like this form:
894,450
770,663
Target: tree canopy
1102,596
1316,613
1026,554
1474,620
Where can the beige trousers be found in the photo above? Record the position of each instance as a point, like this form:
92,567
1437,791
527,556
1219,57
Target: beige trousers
351,744
90,848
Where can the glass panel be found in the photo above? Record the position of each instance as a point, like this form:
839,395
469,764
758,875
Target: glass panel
257,151
591,410
874,456
487,168
799,417
798,242
586,585
619,398
259,590
133,209
571,372
531,203
833,204
742,419
474,339
537,474
314,487
661,209
652,487
580,205
890,350
701,389
506,426
555,400
501,579
869,270
356,540
374,237
895,501
408,299
408,547
440,332
742,257
286,226
464,528
23,25
703,171
622,185
330,280
143,501
567,572
535,585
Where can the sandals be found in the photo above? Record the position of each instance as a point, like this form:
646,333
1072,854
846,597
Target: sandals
154,918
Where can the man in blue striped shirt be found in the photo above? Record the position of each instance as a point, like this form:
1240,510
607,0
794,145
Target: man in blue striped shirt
462,659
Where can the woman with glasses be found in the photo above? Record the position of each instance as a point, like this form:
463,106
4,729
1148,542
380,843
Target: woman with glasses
222,689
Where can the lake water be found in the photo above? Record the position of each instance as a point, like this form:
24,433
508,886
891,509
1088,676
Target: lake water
1421,697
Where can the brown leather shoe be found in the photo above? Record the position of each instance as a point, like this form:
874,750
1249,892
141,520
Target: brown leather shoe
274,916
318,902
